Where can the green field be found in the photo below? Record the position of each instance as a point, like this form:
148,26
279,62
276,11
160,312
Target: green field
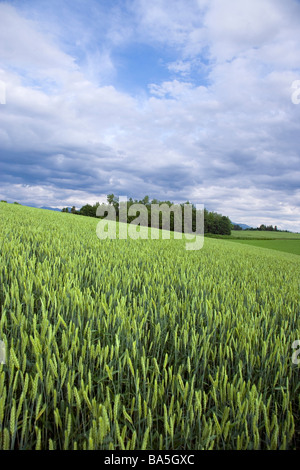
141,344
281,241
288,246
256,234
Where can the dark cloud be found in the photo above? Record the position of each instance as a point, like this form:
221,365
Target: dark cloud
222,130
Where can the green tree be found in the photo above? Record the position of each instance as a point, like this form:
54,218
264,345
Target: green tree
88,210
112,199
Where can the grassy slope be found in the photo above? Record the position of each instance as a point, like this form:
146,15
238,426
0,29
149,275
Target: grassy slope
218,321
257,235
288,246
279,241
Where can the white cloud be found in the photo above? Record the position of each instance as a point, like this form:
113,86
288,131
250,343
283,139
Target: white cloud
180,66
234,27
24,46
229,139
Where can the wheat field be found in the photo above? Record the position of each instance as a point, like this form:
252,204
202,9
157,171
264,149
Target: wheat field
140,344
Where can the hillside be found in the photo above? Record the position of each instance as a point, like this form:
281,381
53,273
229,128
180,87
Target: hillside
266,235
141,344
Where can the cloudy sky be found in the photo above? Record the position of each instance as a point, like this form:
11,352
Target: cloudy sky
175,99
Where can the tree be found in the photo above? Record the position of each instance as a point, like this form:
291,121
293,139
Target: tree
216,223
213,223
88,210
113,200
225,225
146,201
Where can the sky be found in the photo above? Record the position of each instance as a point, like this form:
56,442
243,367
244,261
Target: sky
180,100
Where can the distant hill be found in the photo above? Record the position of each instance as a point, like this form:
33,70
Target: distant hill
244,226
51,208
45,208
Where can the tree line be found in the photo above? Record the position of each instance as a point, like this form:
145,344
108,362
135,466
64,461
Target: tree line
266,228
214,223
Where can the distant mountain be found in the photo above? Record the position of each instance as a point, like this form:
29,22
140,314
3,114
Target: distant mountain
51,208
244,226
